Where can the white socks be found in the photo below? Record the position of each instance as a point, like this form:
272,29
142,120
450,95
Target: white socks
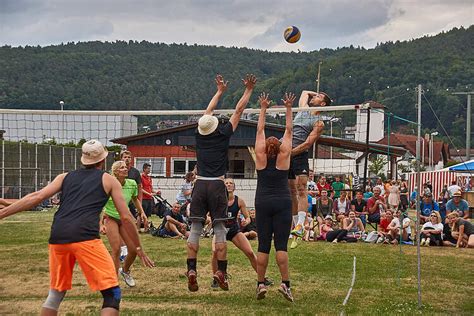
123,251
301,218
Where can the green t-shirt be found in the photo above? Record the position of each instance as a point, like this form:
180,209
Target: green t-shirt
337,186
129,190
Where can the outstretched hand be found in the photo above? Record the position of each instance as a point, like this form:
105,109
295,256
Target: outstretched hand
263,100
221,83
147,262
249,81
288,99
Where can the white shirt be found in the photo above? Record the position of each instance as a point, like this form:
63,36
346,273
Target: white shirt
438,226
406,221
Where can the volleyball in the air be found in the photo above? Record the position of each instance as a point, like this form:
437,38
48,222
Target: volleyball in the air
292,34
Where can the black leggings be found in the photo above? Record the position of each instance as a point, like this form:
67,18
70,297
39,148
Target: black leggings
273,218
339,234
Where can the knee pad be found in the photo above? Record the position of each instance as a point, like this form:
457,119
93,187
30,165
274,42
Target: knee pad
112,297
195,233
54,299
220,232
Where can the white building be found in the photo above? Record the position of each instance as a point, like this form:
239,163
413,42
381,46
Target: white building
64,128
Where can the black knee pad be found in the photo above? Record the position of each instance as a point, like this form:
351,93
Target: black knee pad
112,297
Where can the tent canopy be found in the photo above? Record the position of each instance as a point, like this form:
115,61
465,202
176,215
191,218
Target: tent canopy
467,166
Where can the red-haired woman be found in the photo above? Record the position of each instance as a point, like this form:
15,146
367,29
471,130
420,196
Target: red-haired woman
272,198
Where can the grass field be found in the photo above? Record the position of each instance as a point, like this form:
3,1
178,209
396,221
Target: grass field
320,275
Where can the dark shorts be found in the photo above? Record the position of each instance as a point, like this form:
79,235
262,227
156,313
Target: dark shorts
209,196
232,232
299,165
147,207
166,233
374,218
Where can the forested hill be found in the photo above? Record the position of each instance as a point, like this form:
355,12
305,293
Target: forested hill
143,75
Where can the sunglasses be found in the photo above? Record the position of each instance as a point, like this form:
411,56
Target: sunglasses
433,216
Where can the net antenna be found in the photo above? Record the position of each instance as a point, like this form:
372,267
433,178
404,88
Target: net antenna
318,79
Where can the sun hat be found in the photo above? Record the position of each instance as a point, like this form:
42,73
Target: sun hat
207,124
93,152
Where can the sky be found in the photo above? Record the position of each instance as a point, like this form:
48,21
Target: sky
242,23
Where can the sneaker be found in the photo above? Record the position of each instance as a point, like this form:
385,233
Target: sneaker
380,240
127,278
286,292
261,291
268,281
221,279
298,231
294,243
427,242
214,285
334,241
192,281
422,242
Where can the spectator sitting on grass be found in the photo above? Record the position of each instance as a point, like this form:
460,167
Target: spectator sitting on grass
394,228
376,206
427,206
250,231
458,204
462,230
341,206
448,239
353,225
323,206
324,227
432,230
383,230
173,223
359,206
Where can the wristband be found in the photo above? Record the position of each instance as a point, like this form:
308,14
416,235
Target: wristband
139,248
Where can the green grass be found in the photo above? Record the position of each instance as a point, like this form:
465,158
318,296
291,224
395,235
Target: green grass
320,272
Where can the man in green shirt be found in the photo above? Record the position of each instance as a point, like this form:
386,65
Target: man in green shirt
337,186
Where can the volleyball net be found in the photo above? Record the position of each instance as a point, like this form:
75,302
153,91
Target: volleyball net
38,145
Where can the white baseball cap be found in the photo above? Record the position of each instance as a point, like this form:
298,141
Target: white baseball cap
93,152
207,124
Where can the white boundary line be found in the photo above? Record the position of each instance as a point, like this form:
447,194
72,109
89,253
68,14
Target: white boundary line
350,289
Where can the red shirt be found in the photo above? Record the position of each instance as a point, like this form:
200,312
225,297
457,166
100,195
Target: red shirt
371,202
384,224
147,185
326,187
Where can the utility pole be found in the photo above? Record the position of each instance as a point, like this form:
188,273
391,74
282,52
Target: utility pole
468,123
418,182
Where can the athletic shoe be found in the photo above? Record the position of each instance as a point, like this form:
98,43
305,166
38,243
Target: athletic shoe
298,231
286,292
427,242
380,240
261,291
192,281
334,241
422,242
221,279
268,281
294,243
127,278
214,285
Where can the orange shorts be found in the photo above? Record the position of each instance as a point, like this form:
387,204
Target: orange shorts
92,257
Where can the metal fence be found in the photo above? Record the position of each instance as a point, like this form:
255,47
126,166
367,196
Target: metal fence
25,167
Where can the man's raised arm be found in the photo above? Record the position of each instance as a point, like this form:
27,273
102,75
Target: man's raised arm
221,87
249,83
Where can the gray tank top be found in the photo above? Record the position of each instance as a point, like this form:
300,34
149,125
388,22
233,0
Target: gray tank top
303,125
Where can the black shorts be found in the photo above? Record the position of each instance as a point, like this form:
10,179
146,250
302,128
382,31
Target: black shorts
147,207
209,196
299,165
233,230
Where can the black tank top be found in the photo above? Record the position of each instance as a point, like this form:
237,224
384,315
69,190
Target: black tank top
232,212
82,200
272,182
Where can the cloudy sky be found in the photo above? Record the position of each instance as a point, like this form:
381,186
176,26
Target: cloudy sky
250,23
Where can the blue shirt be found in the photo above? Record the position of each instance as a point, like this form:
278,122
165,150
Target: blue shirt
427,209
460,208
